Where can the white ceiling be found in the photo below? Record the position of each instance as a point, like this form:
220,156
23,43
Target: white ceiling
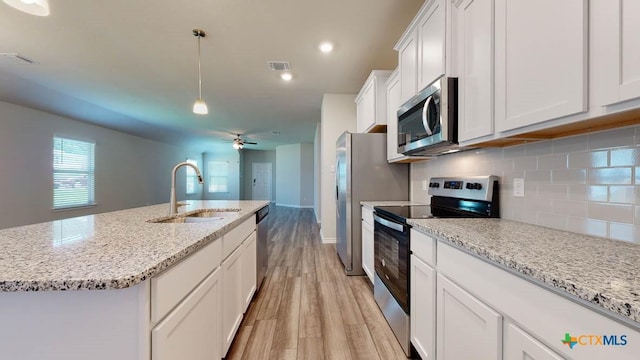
132,64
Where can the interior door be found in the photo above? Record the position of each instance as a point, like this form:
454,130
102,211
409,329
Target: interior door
261,174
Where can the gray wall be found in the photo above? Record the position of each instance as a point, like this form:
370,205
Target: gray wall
248,158
294,175
129,171
588,184
232,157
316,172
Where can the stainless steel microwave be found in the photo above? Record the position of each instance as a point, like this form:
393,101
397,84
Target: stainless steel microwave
428,122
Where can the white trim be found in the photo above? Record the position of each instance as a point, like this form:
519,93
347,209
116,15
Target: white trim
315,213
327,240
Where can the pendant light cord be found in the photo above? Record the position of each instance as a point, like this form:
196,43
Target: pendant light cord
199,71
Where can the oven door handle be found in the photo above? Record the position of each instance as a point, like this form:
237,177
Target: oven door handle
390,224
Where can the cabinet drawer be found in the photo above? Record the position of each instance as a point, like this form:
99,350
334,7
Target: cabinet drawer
424,247
236,236
367,215
171,286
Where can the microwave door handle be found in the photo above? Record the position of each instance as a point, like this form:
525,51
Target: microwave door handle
425,121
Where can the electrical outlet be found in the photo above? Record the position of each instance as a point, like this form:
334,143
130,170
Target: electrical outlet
424,185
518,187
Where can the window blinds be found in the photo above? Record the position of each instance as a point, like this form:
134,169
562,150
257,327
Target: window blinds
73,173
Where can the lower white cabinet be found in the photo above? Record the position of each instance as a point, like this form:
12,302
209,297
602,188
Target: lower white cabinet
367,243
423,308
192,329
466,328
249,258
518,345
232,300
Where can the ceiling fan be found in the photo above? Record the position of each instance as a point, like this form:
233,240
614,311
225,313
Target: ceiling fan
239,143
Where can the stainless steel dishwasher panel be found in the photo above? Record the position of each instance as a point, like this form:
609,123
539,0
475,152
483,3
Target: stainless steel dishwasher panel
262,249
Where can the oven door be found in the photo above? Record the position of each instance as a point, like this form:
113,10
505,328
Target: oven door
391,253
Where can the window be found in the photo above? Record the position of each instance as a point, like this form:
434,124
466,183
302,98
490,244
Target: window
218,172
73,173
192,178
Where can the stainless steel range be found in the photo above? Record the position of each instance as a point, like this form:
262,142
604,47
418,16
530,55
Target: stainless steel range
461,197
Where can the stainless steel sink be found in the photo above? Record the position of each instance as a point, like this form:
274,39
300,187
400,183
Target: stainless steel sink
200,216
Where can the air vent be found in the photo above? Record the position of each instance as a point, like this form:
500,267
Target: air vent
279,65
16,58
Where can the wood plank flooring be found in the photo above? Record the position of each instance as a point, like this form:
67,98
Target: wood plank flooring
307,307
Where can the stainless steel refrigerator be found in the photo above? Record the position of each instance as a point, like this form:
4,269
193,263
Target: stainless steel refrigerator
362,174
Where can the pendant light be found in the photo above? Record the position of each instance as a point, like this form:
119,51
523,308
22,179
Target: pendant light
33,7
199,107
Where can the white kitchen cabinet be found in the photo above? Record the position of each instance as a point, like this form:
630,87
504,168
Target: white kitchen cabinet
466,328
249,263
431,42
407,66
540,61
368,261
371,105
393,103
472,51
423,308
616,50
191,330
232,300
518,345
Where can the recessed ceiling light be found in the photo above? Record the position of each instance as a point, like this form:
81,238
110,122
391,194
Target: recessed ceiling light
326,47
286,76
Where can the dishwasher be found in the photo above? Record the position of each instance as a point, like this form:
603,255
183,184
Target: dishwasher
262,232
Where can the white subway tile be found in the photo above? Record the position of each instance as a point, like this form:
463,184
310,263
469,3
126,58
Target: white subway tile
538,176
568,207
553,221
514,151
611,138
538,148
611,212
587,226
624,232
625,157
571,176
597,193
554,161
613,176
571,144
578,192
588,159
623,194
538,204
552,191
526,163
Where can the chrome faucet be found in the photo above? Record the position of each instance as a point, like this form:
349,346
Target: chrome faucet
172,202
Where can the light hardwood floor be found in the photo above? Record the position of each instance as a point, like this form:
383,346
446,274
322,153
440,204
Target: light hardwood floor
307,307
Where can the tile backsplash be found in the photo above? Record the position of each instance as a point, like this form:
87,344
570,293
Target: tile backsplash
588,184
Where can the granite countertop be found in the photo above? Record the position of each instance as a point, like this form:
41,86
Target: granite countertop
371,204
603,272
111,250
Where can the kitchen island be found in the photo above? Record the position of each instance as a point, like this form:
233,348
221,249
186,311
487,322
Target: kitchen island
100,286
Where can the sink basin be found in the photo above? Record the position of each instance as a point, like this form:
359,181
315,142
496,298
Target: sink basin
200,216
219,214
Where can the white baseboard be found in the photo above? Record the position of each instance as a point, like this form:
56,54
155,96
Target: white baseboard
316,214
326,240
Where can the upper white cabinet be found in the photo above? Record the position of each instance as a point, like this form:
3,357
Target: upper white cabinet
431,42
540,61
472,51
462,316
393,103
615,32
371,105
407,66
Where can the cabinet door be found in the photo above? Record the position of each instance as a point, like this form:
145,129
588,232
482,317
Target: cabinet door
249,258
408,68
466,328
431,32
367,250
472,42
423,308
616,55
192,329
541,61
232,301
365,108
518,345
393,103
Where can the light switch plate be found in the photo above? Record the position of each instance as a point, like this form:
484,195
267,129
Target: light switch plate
518,187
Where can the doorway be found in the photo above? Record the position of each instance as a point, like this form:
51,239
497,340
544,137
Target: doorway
261,181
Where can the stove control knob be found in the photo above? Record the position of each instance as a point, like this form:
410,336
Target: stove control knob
437,185
477,186
470,186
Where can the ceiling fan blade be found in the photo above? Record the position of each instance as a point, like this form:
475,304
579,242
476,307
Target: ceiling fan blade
250,143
